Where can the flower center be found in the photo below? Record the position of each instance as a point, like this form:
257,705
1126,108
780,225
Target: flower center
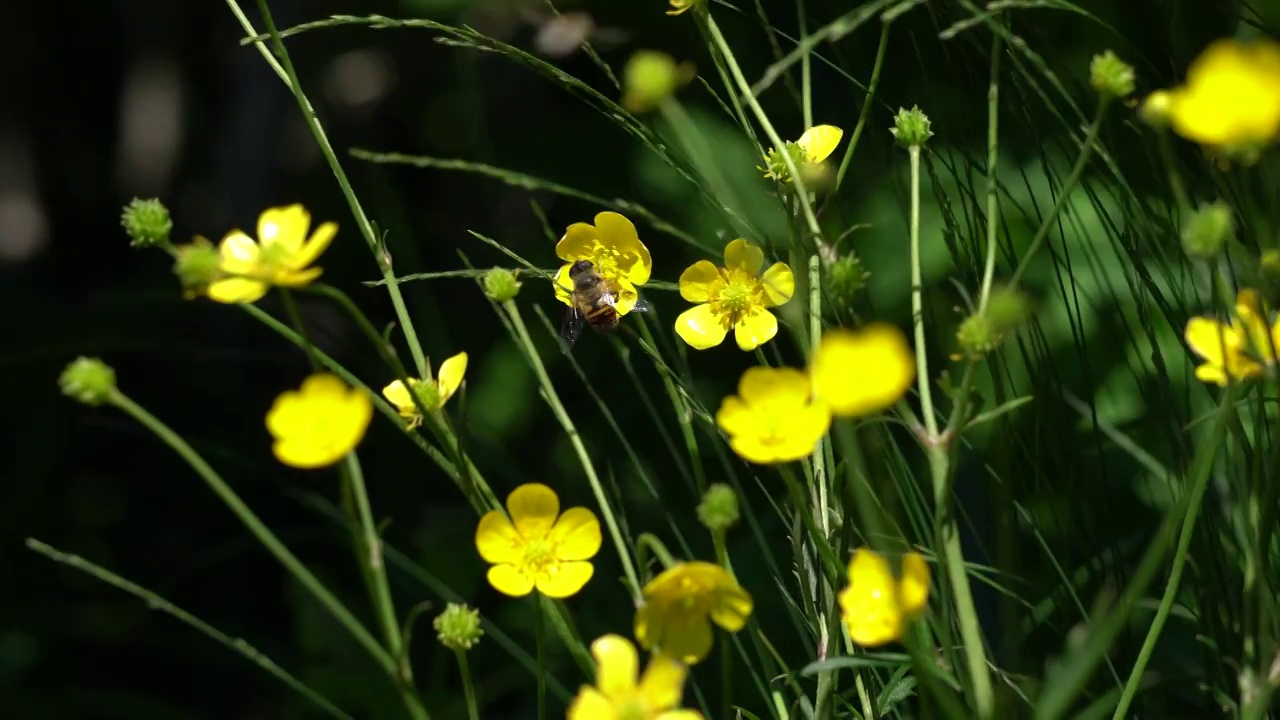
537,556
272,255
738,296
693,598
428,391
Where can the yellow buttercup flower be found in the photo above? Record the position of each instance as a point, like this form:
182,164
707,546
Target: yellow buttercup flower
614,248
680,605
1231,97
1241,350
281,256
537,546
814,146
774,418
876,606
318,423
617,695
859,372
736,296
433,393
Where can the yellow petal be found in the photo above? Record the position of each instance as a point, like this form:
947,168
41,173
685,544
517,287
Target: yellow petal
1212,374
858,373
618,233
576,535
563,285
450,377
239,254
732,608
564,579
509,581
497,539
700,282
624,301
236,290
285,226
779,284
819,142
744,255
701,328
687,637
679,714
755,328
774,389
869,604
294,278
662,685
306,455
913,589
397,394
616,666
648,626
579,243
735,417
319,423
1208,337
316,245
533,508
591,704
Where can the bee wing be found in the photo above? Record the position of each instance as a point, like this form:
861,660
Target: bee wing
641,305
571,328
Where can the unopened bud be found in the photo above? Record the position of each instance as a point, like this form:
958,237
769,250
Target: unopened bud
651,77
1208,230
846,278
1110,75
1154,110
197,264
88,380
147,222
718,510
911,127
501,284
458,627
984,331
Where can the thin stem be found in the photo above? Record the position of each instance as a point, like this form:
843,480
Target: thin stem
684,416
542,655
468,690
993,156
291,307
917,303
806,82
866,105
372,560
1064,194
557,408
371,238
273,545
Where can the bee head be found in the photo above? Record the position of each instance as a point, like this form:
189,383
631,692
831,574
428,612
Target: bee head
580,267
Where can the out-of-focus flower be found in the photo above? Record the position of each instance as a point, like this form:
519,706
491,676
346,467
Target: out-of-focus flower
718,510
875,605
859,372
614,248
281,256
774,418
616,694
680,605
737,296
1231,97
1238,351
318,423
537,546
1109,75
198,264
651,77
814,146
432,393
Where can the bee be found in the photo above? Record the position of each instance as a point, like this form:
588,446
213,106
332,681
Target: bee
594,304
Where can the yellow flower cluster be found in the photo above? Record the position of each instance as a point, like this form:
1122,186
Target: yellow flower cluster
1242,349
876,605
1230,99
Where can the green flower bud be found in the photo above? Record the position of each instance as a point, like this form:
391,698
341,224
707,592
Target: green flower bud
984,331
911,127
197,264
846,279
1154,110
1109,75
147,222
718,510
776,163
651,77
501,285
1207,230
88,380
458,627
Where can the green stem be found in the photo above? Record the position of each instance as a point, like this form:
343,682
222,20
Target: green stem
866,105
917,304
806,82
468,690
287,73
1064,195
273,545
684,415
374,564
291,307
993,157
557,408
542,655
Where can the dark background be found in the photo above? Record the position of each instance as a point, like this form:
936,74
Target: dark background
101,102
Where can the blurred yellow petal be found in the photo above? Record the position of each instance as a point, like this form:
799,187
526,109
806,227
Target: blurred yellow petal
755,329
819,142
295,278
687,638
316,245
1231,95
239,253
564,579
735,416
320,422
862,372
913,588
449,379
700,282
397,394
774,389
533,508
497,539
509,581
662,684
700,327
732,607
284,226
1208,338
1212,374
779,284
744,255
648,626
563,285
579,243
576,535
591,704
679,714
236,290
869,603
616,666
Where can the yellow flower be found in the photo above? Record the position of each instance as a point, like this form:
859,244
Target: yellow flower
1231,97
735,296
814,146
680,6
617,696
281,256
774,417
876,605
614,248
538,547
863,371
433,393
320,422
680,605
1237,351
